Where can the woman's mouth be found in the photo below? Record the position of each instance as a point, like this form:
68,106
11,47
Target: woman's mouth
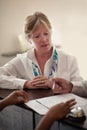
45,45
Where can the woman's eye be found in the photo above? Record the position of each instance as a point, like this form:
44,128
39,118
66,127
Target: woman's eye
46,33
37,36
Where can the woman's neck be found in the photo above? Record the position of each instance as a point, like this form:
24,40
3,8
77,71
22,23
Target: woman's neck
42,58
44,55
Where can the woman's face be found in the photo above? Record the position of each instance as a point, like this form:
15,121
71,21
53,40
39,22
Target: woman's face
42,38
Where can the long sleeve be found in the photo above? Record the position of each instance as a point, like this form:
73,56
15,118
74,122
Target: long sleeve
68,68
81,88
74,71
10,75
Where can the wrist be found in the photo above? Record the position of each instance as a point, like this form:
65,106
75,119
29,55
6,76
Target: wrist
27,84
46,122
71,87
68,86
50,116
3,104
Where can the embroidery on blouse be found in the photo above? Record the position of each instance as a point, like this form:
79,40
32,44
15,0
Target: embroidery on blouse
35,69
53,70
54,65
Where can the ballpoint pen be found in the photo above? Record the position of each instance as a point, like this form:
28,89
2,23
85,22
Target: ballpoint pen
53,84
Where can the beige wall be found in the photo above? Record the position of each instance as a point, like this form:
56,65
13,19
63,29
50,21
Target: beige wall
68,18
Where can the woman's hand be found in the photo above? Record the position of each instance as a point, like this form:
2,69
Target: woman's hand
38,82
62,86
41,82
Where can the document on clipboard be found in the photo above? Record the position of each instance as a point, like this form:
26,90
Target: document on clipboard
42,105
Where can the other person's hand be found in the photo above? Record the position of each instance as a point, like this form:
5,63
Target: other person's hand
62,86
61,110
16,97
56,112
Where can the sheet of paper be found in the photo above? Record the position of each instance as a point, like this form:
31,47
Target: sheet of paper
42,105
37,107
53,100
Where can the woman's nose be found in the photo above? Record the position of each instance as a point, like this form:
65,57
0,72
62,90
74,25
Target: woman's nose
43,38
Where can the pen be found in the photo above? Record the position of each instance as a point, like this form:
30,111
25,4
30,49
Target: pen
53,85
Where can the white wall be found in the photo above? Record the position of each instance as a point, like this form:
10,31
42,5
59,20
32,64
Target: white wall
68,18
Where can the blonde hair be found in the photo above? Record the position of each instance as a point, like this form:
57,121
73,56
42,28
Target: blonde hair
32,21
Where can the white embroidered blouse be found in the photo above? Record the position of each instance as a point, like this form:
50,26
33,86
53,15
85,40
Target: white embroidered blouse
15,73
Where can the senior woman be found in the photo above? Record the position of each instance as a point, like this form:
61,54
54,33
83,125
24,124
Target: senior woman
41,65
